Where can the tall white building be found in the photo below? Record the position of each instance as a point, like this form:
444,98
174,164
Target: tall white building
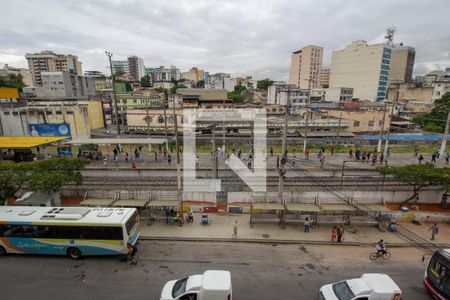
120,66
136,67
363,67
305,67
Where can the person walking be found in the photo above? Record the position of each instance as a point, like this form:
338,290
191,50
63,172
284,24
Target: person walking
322,161
197,162
169,158
447,158
126,156
235,229
333,234
416,150
271,151
381,157
433,157
306,225
420,159
132,250
156,155
340,233
115,154
434,231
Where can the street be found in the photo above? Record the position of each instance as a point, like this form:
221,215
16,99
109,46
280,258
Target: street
259,271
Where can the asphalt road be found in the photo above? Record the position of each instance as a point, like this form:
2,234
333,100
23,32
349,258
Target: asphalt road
258,271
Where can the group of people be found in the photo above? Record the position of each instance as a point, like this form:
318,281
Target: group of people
337,232
368,156
173,216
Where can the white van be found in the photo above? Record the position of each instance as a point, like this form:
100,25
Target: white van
212,285
369,286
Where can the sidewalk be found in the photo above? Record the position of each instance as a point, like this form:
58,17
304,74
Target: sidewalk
221,229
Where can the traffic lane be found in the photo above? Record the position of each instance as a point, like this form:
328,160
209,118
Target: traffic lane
258,271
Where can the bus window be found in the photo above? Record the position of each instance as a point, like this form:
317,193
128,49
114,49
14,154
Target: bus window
438,274
131,222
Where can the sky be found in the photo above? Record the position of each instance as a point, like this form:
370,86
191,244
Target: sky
245,37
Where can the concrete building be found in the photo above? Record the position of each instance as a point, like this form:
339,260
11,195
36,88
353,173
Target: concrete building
324,77
25,73
411,91
159,74
190,75
195,98
221,81
402,64
120,66
136,67
278,94
305,67
65,85
440,88
339,94
81,115
359,120
48,61
363,67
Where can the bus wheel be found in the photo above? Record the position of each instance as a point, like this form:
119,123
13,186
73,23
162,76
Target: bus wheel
2,251
74,253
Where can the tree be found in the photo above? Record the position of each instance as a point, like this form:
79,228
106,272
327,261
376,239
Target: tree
173,90
435,120
239,94
145,81
419,176
119,73
262,85
44,175
12,81
201,83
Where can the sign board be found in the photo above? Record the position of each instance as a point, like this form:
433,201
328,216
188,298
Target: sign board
61,129
65,151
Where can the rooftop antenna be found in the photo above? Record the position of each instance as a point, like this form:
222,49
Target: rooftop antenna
389,36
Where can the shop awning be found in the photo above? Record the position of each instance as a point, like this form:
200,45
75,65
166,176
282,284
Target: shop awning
308,207
24,142
115,141
97,202
337,207
267,206
130,203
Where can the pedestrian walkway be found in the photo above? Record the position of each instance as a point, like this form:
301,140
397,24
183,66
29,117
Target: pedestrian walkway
221,228
331,162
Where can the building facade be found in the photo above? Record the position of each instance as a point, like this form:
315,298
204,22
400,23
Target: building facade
324,80
305,67
402,64
120,66
48,61
65,85
339,94
359,120
363,67
136,68
25,73
411,91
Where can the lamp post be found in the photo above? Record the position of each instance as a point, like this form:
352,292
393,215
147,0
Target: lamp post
116,109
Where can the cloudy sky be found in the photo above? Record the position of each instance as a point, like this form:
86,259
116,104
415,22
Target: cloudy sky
243,37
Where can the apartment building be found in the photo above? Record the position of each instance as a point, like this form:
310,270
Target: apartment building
324,80
402,64
305,67
65,85
363,67
120,66
136,68
48,61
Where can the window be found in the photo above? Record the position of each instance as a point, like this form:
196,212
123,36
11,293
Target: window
371,123
160,119
380,123
355,123
131,222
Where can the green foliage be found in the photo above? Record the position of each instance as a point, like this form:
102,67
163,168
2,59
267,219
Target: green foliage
46,175
419,175
201,83
239,94
119,73
435,120
145,81
12,81
262,85
173,89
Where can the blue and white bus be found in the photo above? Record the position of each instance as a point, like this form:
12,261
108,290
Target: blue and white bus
71,231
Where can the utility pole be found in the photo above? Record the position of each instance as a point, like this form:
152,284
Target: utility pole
176,145
283,157
116,109
339,129
148,119
386,145
445,137
223,129
213,152
166,101
308,105
380,140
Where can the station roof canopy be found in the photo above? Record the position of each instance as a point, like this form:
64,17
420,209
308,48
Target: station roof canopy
337,207
24,142
373,207
267,206
97,202
131,203
164,203
115,141
306,207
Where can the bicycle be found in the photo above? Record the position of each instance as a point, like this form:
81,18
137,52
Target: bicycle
375,255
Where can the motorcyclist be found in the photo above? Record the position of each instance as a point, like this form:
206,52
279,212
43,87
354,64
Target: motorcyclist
381,248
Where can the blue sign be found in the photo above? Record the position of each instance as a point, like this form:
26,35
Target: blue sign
62,129
65,151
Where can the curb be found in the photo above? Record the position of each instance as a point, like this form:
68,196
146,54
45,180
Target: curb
278,241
